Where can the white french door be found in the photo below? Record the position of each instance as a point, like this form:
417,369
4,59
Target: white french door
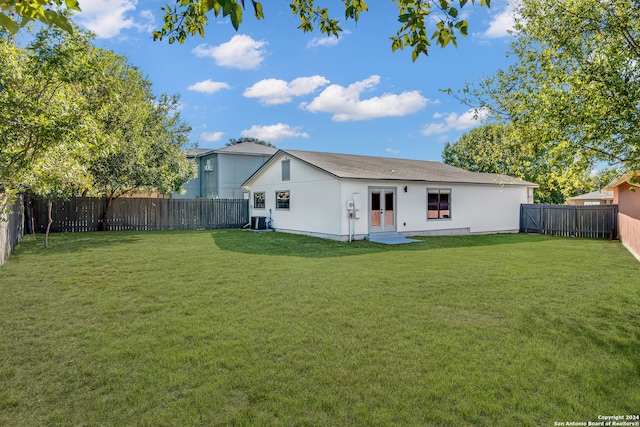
382,210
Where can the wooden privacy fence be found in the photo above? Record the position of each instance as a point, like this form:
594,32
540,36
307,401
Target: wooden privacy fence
85,214
598,222
11,229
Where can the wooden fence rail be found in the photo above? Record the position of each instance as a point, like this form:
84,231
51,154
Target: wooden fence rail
598,222
139,214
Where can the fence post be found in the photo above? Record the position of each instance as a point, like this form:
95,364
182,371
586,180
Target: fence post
11,228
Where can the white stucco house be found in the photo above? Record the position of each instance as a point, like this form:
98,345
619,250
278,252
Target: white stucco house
349,197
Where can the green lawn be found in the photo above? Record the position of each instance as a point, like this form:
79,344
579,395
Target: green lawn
241,328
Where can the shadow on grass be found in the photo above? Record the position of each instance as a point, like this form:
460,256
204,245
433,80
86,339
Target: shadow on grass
62,243
285,244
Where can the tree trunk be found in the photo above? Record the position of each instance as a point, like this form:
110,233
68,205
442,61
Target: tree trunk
49,221
33,219
105,214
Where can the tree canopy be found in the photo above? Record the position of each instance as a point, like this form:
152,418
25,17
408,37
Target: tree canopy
495,148
186,18
77,119
18,13
248,140
43,114
574,88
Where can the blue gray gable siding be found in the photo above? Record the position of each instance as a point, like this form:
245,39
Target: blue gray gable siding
221,172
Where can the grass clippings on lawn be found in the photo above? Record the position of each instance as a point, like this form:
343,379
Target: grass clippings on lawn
229,327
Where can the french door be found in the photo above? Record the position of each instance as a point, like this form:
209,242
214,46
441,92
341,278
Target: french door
382,210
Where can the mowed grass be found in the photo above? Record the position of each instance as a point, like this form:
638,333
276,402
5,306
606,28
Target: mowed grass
240,328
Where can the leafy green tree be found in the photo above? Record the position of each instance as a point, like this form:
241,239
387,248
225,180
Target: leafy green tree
602,178
74,117
190,17
15,14
248,140
494,148
148,134
575,83
41,107
59,174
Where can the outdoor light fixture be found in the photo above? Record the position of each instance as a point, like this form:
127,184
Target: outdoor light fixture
405,188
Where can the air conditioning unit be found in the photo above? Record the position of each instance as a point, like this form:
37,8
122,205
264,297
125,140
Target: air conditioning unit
208,168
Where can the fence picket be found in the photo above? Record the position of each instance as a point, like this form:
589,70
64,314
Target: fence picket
599,222
139,214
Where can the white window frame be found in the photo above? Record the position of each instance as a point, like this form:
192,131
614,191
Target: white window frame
279,198
286,170
439,192
255,200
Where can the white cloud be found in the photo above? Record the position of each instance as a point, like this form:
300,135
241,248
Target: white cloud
275,91
323,42
241,52
327,41
501,23
211,136
147,15
274,133
208,86
345,103
453,121
392,151
107,18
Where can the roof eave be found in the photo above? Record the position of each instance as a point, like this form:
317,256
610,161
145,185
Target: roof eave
429,181
624,178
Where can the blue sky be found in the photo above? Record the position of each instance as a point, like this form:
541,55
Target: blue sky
303,91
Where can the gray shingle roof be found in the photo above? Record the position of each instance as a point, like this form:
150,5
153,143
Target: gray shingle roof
196,151
382,168
247,148
595,195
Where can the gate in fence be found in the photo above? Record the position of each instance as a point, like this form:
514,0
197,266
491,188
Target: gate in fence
598,222
139,214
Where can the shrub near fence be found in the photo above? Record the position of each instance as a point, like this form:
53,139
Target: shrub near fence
598,222
11,229
85,214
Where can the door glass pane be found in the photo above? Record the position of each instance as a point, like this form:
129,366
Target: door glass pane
388,218
375,210
388,201
375,201
375,218
388,213
444,205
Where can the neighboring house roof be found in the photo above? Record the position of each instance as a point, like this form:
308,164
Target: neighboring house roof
624,178
197,152
247,148
594,195
351,166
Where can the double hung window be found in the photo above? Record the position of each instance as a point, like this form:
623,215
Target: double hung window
258,200
438,203
282,199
